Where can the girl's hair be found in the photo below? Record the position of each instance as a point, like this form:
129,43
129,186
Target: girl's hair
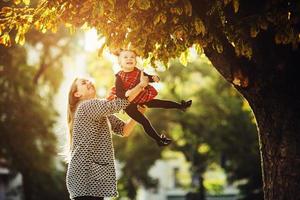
118,51
72,105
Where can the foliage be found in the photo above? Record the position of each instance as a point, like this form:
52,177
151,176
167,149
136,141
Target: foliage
218,128
137,155
159,30
27,141
28,87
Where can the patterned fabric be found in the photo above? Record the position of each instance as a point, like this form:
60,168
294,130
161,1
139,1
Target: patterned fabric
91,171
130,80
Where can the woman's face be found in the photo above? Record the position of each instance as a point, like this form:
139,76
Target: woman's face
127,60
85,89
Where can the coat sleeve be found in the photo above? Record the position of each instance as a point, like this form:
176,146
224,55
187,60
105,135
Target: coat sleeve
120,91
150,77
117,124
98,108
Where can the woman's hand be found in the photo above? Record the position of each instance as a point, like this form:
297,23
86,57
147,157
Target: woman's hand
130,124
142,108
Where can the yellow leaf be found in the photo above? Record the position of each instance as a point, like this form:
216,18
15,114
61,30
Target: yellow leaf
227,2
26,2
219,48
176,10
17,37
254,31
131,3
22,39
157,19
236,5
187,7
199,26
163,18
112,3
203,148
5,40
198,49
143,4
175,20
263,24
54,29
184,58
6,9
100,51
240,79
17,2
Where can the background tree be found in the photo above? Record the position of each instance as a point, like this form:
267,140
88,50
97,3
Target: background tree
254,45
28,142
218,128
137,154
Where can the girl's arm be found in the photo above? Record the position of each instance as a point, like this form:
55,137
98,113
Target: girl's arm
149,77
132,93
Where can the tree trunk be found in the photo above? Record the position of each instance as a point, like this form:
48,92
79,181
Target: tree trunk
201,188
276,106
27,189
279,133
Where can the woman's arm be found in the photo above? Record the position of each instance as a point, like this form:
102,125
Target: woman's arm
120,91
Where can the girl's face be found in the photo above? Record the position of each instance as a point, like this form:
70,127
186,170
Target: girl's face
85,89
127,60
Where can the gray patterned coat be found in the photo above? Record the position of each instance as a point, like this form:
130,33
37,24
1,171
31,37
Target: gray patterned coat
91,170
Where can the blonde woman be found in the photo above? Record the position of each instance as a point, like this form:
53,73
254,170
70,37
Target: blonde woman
91,171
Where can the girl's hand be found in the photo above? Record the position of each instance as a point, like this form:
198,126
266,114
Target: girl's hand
155,78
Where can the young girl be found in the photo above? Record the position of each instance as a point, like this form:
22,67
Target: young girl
129,77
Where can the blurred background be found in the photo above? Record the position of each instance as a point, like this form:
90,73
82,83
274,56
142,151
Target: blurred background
215,151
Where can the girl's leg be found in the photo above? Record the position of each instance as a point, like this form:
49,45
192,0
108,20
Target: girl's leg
135,114
158,103
89,198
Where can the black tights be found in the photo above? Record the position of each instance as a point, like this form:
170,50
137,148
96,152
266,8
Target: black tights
89,198
135,114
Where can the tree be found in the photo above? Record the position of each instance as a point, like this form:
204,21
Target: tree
218,128
138,154
27,141
253,44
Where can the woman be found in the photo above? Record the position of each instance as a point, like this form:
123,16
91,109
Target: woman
91,171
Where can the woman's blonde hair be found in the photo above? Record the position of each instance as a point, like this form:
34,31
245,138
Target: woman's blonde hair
72,105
